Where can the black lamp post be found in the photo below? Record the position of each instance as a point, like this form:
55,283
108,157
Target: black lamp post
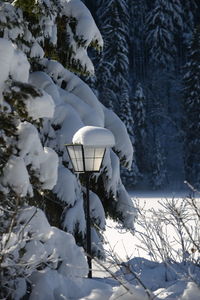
86,159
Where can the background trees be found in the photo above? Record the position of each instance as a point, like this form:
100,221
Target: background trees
158,37
192,111
112,72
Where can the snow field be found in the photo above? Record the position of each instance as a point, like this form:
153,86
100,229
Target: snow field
123,246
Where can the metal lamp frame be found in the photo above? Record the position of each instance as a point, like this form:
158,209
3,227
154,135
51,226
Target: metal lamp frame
83,156
88,219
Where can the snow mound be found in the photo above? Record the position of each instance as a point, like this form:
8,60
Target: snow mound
129,292
94,136
192,292
64,263
15,175
165,280
40,107
123,145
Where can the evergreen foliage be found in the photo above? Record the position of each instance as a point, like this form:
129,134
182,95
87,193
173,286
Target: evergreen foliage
113,79
138,57
160,33
192,111
56,29
114,62
190,9
158,166
140,127
130,176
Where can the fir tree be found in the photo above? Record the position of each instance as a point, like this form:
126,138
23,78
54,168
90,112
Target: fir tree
162,22
192,111
158,174
56,29
139,116
189,9
23,165
138,54
131,176
113,68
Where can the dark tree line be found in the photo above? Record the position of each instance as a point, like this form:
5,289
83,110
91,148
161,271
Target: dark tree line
152,46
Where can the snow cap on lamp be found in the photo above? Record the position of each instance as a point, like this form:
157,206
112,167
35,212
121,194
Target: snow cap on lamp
94,137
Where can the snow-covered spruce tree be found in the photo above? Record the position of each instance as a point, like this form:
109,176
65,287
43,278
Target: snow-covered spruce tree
103,64
75,106
189,12
114,67
192,111
27,168
115,61
28,244
163,21
130,177
138,55
25,165
158,169
139,116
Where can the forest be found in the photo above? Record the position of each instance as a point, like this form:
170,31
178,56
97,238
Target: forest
148,74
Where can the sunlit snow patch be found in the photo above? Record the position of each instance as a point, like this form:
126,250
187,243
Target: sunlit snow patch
94,136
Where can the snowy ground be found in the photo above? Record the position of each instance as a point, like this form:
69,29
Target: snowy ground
126,247
124,244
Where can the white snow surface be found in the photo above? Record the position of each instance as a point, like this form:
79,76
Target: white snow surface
123,144
40,107
75,218
44,82
129,292
43,160
6,57
63,275
192,292
15,175
86,26
53,286
75,86
66,256
12,62
170,282
87,113
86,30
67,188
19,66
94,136
48,173
70,122
112,165
29,144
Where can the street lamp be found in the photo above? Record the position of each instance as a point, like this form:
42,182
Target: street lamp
86,159
86,154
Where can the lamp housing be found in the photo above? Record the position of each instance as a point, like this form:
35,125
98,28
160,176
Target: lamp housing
86,158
